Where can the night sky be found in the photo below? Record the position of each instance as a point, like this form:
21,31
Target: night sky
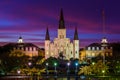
30,18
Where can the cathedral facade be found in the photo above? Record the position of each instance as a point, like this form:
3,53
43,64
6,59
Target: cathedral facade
62,46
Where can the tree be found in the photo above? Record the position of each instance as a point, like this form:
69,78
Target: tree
98,68
13,60
86,70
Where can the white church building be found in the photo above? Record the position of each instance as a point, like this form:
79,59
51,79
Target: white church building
62,44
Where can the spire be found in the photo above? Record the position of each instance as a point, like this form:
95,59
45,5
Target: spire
61,21
76,34
47,37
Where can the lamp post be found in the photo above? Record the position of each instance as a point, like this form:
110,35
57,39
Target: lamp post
29,65
103,72
55,64
47,73
68,64
18,71
76,64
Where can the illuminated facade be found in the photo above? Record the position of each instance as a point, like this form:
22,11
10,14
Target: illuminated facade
61,44
28,49
96,49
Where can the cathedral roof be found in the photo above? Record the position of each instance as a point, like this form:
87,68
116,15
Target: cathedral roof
76,35
61,21
47,37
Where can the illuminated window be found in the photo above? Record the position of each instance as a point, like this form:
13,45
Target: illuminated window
106,54
47,53
102,48
51,53
110,47
30,48
93,48
61,36
111,54
34,48
97,48
89,48
93,54
89,54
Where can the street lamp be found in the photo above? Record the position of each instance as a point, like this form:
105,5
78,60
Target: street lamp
55,64
29,64
93,63
103,71
47,68
68,64
76,64
18,71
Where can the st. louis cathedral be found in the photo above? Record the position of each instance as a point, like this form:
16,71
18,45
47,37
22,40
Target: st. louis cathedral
62,45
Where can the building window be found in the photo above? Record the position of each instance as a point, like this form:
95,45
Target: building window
89,48
20,48
34,48
89,54
93,48
110,47
71,52
51,53
97,48
110,54
93,54
76,52
102,48
106,54
62,36
26,48
47,52
30,48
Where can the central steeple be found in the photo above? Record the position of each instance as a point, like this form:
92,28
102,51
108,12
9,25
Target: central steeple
61,21
61,29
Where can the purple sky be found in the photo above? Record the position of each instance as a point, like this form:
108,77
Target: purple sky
29,18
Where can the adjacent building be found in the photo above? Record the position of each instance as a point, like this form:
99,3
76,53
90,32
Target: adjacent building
96,49
28,49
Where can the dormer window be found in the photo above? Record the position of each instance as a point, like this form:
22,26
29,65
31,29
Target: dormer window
89,48
93,48
97,48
